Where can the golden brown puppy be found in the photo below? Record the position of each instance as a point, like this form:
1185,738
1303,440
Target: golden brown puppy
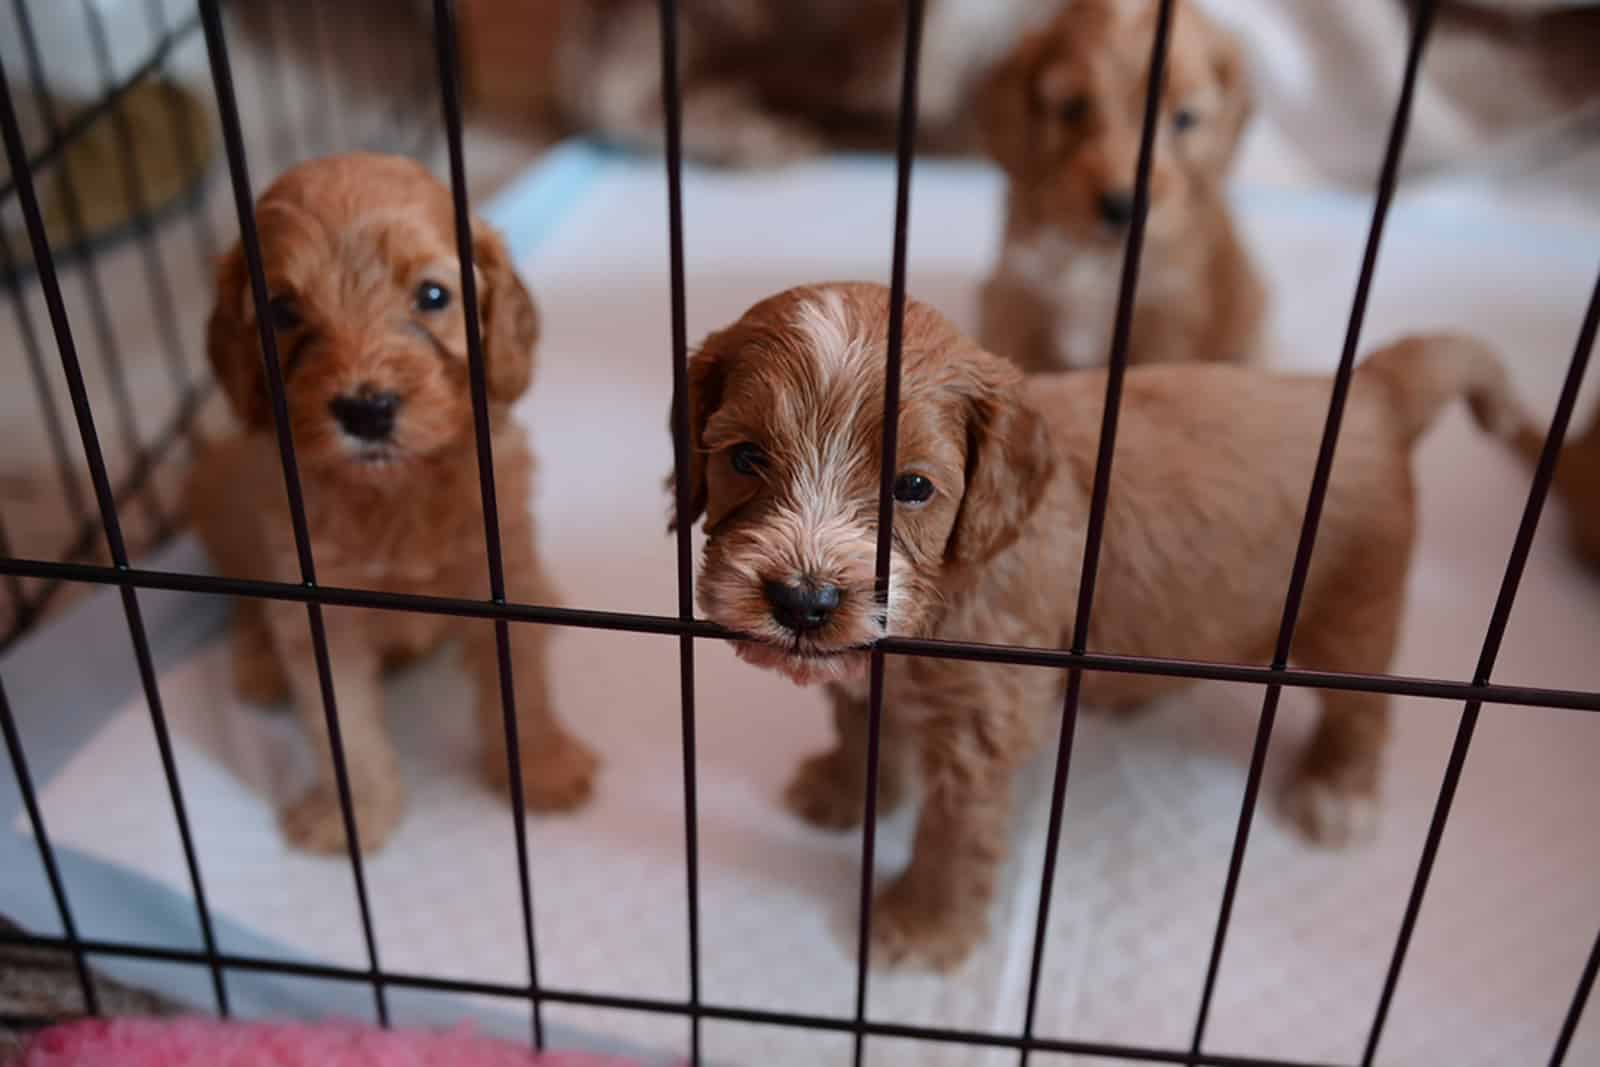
762,79
1063,117
1577,482
360,258
992,491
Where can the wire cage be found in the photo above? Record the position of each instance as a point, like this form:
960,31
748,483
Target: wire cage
122,491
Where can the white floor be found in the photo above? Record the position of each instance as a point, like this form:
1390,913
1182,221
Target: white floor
1153,801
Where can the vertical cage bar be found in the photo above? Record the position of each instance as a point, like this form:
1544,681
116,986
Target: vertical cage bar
1499,618
905,159
239,174
17,155
1580,998
672,114
450,97
1098,502
72,207
47,854
66,469
157,281
1388,179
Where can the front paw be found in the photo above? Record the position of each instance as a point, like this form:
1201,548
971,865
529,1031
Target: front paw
1331,811
557,776
829,792
315,822
926,931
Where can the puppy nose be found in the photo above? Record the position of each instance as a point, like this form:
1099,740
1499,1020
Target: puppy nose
1117,207
367,413
802,606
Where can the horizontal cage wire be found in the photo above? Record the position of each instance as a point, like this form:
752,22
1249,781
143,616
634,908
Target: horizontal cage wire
127,507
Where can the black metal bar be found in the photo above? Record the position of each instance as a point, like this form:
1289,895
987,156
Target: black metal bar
672,116
627,622
66,470
239,173
73,371
99,311
80,123
47,854
1099,499
1388,178
138,201
1543,475
1580,998
905,159
654,1006
450,98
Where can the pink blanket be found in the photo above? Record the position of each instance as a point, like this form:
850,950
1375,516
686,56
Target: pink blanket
207,1043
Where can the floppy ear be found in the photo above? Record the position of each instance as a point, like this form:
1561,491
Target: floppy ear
706,373
1009,459
1006,106
510,321
1238,94
233,348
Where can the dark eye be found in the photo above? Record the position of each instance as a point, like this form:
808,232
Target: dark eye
431,296
1073,109
283,314
1185,119
912,489
747,459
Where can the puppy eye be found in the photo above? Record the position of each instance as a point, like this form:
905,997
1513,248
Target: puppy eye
912,489
1073,110
283,314
747,459
431,296
1185,119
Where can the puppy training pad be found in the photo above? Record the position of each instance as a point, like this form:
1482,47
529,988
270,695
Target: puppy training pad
1154,798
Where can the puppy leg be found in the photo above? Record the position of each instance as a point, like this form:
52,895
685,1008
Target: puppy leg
830,788
315,821
937,911
557,769
257,673
1333,794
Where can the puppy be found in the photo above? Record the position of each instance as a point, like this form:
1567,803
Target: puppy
360,258
1063,118
992,494
1577,481
763,79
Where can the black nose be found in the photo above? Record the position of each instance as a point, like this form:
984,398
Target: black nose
802,606
367,414
1117,207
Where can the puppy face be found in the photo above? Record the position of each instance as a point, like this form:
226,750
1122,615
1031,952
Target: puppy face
786,411
360,259
1064,114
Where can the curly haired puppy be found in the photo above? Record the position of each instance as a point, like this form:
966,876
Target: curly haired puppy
992,493
763,79
360,258
1063,117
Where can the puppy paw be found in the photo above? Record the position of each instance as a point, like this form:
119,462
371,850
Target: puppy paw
915,931
315,822
558,776
828,792
1331,813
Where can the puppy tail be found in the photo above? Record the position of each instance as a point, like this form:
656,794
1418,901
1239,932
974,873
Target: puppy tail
1423,373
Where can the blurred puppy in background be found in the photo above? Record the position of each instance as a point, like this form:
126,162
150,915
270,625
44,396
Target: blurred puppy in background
1063,117
991,491
1577,482
360,259
763,79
